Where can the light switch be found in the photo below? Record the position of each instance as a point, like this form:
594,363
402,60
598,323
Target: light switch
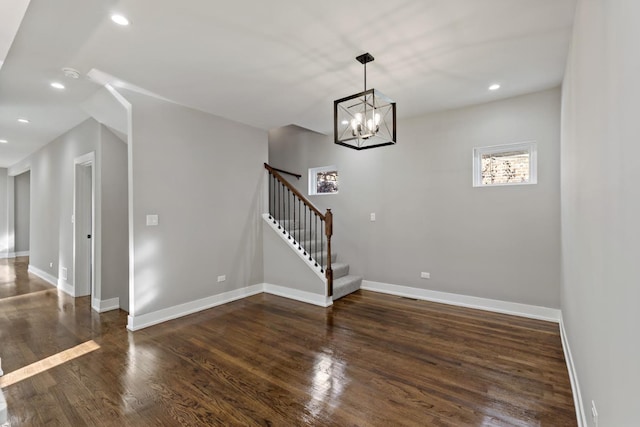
152,219
373,216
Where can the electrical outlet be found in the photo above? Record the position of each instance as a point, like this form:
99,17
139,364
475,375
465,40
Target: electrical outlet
594,413
152,220
372,216
63,273
50,265
425,275
222,278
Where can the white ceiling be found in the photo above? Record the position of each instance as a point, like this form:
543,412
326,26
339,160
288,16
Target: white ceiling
274,63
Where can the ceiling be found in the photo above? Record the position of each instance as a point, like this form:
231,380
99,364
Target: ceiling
272,63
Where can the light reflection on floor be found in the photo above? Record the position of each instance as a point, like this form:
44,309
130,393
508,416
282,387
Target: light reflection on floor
329,381
140,365
47,363
16,297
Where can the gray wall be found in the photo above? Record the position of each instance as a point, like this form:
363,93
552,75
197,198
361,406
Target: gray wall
51,235
284,267
5,245
52,197
115,222
600,289
500,243
203,176
22,205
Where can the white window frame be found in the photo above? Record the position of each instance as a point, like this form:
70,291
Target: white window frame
313,180
530,146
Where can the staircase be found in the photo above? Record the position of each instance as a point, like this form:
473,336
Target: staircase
309,231
343,282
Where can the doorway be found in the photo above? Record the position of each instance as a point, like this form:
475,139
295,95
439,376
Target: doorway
22,213
84,229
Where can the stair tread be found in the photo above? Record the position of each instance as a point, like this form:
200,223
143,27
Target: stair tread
335,265
318,257
340,270
345,280
346,285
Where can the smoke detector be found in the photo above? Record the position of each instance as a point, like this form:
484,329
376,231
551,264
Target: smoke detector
71,73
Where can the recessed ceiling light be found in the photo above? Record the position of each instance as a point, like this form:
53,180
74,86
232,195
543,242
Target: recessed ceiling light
345,122
494,86
119,19
57,85
3,141
23,120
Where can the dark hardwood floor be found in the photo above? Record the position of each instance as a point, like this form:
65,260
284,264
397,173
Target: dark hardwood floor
371,359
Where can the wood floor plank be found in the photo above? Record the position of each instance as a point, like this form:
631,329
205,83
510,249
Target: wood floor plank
369,360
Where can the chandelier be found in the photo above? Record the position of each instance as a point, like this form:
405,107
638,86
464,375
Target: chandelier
366,119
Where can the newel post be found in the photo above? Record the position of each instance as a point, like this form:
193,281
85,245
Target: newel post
328,231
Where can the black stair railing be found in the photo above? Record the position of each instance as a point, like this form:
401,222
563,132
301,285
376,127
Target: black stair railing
297,218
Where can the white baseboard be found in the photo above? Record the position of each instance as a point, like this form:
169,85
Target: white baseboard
573,377
66,287
295,294
43,275
504,307
13,254
105,305
149,319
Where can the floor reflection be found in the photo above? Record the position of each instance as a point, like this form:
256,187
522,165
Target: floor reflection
47,363
139,365
328,383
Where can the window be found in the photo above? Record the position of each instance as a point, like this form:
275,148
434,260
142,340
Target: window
323,180
509,164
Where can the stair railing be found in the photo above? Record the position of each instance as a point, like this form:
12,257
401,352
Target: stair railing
302,222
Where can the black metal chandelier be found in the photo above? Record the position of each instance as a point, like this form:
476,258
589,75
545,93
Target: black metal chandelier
366,119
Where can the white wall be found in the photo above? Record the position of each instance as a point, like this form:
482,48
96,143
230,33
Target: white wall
499,243
22,205
203,176
600,289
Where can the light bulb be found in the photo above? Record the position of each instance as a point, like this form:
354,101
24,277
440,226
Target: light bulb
120,20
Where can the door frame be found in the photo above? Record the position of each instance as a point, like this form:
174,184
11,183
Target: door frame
85,160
